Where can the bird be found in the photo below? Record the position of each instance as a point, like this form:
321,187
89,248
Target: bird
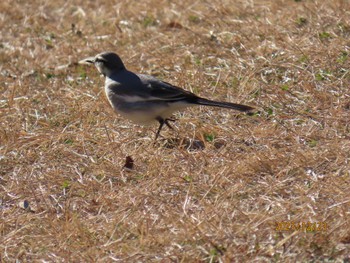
144,99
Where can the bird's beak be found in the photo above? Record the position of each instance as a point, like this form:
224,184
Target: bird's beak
87,61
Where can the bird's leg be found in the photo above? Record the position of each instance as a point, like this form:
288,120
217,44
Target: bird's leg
161,123
168,124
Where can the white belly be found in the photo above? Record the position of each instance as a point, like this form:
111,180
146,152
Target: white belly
143,111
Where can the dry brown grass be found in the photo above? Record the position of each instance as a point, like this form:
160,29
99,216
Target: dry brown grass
218,199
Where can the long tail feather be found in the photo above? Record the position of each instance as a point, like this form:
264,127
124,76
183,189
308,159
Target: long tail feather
227,105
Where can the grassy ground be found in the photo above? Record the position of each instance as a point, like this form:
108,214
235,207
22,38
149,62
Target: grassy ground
223,186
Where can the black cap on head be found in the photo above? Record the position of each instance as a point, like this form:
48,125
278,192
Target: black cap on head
110,60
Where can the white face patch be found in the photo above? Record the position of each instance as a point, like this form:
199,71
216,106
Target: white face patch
100,67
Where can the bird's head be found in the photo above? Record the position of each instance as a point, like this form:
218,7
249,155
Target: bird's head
107,63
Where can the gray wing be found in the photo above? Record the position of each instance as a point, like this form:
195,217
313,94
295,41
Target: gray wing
143,90
165,91
148,87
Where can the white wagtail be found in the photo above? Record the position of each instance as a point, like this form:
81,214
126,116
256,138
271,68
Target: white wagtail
143,98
